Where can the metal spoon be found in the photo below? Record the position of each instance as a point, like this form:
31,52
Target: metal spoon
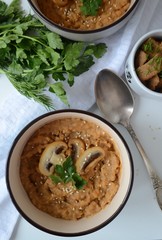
116,102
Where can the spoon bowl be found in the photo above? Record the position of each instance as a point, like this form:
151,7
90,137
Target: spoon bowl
113,97
116,102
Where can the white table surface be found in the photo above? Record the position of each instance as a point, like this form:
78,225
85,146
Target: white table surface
141,218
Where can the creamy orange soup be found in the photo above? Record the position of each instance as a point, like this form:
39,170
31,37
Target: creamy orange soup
102,174
67,13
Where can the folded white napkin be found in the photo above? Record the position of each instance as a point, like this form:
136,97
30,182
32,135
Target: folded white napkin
16,110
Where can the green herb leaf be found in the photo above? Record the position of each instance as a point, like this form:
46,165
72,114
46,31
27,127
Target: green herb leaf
72,54
79,181
85,62
3,7
59,170
56,179
20,53
58,75
58,89
70,78
3,44
54,40
15,68
68,163
90,7
67,173
97,50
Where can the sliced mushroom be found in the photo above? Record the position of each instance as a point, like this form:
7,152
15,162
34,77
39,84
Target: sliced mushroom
53,154
89,158
77,148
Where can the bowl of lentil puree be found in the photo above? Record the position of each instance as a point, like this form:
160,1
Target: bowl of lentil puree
69,172
77,20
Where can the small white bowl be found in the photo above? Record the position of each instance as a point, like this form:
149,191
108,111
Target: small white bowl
89,35
130,73
44,221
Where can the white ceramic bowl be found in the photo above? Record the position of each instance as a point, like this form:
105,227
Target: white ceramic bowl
89,35
130,73
57,226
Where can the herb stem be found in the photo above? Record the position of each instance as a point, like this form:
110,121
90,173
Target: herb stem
33,39
53,68
11,26
8,26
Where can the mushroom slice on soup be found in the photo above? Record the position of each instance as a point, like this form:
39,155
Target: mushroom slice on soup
89,158
52,155
77,148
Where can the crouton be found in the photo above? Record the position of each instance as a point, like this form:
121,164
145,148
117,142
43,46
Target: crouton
153,82
150,68
141,58
160,83
151,47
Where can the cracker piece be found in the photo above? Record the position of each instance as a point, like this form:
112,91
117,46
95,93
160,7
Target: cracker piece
141,58
151,68
153,82
160,83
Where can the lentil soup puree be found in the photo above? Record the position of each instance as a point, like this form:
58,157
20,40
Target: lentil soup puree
102,175
67,13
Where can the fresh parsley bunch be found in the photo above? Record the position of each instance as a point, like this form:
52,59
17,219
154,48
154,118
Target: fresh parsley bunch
30,53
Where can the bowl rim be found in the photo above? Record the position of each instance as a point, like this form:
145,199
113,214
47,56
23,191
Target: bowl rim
75,31
93,229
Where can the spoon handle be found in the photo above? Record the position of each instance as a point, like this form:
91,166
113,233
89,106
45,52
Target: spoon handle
157,182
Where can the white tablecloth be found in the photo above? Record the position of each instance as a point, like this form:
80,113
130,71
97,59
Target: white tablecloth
16,110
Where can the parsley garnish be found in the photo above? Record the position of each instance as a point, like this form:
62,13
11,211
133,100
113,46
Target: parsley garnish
90,7
148,47
67,173
30,53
